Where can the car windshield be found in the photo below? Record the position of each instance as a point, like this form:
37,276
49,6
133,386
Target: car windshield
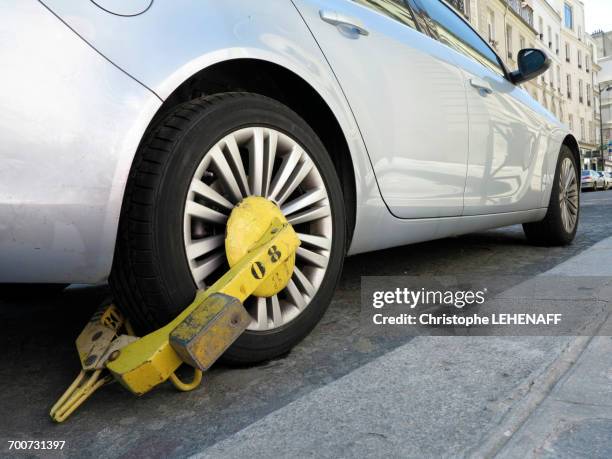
585,173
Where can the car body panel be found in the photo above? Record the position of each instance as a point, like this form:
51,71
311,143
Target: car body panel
513,141
606,181
510,144
588,180
67,117
400,96
72,136
171,35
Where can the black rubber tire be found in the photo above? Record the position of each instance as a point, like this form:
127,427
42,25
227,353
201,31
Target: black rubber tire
550,231
150,278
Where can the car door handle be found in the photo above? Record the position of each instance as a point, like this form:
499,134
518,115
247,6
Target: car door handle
337,19
481,85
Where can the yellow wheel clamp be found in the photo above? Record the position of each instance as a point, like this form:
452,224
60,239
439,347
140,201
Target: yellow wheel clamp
200,334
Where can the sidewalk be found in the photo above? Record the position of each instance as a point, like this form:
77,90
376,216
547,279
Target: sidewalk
575,420
456,396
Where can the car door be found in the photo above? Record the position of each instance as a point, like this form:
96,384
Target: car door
408,98
507,138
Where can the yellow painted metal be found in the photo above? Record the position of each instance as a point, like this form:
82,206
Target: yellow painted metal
151,360
97,335
209,330
247,223
186,387
85,384
93,344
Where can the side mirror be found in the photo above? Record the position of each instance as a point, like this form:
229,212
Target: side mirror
531,63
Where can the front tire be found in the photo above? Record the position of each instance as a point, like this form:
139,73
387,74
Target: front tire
561,221
189,172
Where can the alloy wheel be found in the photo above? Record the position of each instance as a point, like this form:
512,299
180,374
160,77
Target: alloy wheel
259,161
568,195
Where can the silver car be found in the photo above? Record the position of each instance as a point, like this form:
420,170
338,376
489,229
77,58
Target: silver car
592,180
606,178
130,130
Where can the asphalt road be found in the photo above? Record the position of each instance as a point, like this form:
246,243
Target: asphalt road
39,360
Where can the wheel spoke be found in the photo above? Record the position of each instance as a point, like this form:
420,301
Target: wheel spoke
270,146
319,242
303,282
277,315
563,216
208,193
563,176
309,215
226,175
290,161
570,178
207,267
296,178
307,199
295,295
198,210
256,162
203,246
238,167
262,313
311,257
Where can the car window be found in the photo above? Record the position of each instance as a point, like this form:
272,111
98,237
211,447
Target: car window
585,173
395,9
450,29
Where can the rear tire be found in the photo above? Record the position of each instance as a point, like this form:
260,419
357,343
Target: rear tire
561,221
153,275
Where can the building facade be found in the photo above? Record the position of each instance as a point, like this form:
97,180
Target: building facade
579,70
567,89
603,43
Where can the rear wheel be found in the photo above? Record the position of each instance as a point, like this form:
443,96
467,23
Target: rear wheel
561,221
190,172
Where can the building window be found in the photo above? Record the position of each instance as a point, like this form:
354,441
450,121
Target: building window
549,37
587,63
462,6
559,78
552,77
588,94
557,43
579,59
580,91
454,32
491,26
541,28
509,40
567,52
569,86
571,121
568,16
582,128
